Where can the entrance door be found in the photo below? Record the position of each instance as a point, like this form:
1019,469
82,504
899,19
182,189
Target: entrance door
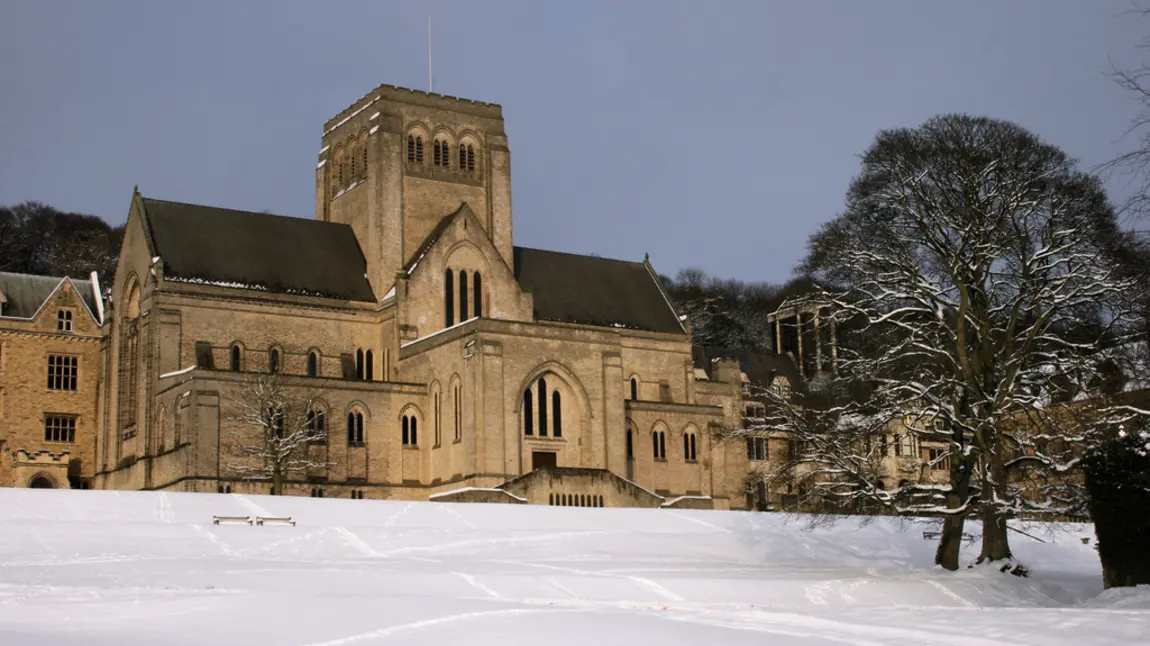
542,459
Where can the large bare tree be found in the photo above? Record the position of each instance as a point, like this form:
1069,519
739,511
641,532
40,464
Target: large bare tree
281,425
973,273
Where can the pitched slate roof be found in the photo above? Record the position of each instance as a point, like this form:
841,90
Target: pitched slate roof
760,367
258,251
572,288
23,294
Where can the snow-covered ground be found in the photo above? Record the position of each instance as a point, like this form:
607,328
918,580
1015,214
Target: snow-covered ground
124,568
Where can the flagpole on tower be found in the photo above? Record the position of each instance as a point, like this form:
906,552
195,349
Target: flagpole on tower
430,78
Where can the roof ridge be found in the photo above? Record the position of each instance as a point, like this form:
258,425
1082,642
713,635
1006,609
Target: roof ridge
228,208
581,255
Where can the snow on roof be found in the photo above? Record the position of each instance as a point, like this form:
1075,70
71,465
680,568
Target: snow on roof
349,117
438,332
443,494
177,373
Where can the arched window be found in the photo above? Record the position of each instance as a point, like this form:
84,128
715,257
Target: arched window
355,429
470,158
419,150
634,389
236,365
363,162
600,500
313,364
477,287
659,442
359,363
353,173
369,365
449,299
445,155
457,406
556,414
410,430
689,447
405,435
462,296
435,422
630,445
410,148
462,157
316,426
274,360
551,499
542,407
528,415
414,431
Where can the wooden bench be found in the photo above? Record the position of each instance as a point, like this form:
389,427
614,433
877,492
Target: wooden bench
286,520
928,535
231,519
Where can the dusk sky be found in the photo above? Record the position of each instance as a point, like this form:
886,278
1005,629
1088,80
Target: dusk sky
716,135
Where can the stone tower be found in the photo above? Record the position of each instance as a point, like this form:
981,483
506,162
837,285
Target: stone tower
397,161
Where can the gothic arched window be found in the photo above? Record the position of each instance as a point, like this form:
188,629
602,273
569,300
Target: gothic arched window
369,366
528,414
556,414
462,296
355,428
542,386
236,365
274,360
359,363
313,364
449,299
470,158
634,389
477,287
410,148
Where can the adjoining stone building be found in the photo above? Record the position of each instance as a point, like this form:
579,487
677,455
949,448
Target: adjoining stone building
50,377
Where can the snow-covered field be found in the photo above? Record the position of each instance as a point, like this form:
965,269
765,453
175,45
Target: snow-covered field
120,568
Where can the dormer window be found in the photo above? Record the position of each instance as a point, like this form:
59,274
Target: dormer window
64,321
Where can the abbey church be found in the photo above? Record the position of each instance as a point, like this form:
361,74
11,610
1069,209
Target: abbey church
447,363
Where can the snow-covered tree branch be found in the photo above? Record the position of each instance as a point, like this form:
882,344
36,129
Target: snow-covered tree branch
283,431
974,277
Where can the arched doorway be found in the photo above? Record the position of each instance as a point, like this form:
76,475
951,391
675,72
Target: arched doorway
41,482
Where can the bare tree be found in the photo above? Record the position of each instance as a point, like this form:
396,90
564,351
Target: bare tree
1134,165
973,271
283,426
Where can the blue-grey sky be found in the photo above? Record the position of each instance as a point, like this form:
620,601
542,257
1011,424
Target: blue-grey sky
709,134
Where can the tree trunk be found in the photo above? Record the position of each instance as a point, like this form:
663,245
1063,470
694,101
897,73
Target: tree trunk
995,543
277,483
951,539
